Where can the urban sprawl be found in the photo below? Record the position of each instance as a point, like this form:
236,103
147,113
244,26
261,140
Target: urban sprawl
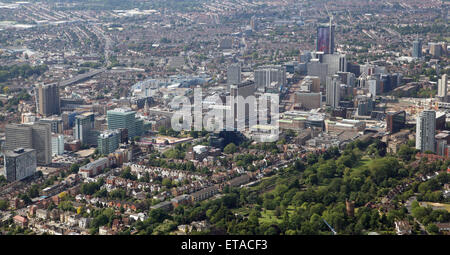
88,144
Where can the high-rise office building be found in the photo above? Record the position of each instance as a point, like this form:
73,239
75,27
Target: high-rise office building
336,63
47,99
347,78
234,74
436,49
310,84
55,122
325,38
417,49
57,144
124,118
253,23
442,86
333,91
373,86
270,77
31,136
395,121
83,129
315,68
19,164
426,131
244,90
108,141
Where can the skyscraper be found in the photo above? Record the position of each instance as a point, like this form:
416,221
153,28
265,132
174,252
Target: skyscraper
426,131
19,164
395,121
31,136
333,91
245,89
124,118
253,23
83,129
47,99
417,49
55,122
315,68
234,74
108,141
273,76
325,38
336,63
442,86
57,144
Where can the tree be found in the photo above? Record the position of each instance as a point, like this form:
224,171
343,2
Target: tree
3,205
230,148
33,191
167,183
74,168
432,228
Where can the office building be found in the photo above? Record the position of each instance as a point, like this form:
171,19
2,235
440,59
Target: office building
395,121
108,141
325,38
125,118
315,68
373,87
436,50
47,99
365,105
310,84
234,74
426,131
56,124
335,62
442,86
83,129
19,164
347,78
31,136
333,91
244,90
57,144
417,49
253,23
270,77
307,101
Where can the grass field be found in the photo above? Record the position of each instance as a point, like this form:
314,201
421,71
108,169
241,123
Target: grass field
363,163
268,216
439,205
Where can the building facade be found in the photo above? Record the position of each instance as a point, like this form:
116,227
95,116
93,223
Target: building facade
108,141
31,136
426,131
47,99
19,164
333,91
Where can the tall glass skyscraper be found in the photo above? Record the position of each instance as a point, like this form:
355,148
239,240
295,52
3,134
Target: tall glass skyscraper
417,49
325,39
124,118
426,131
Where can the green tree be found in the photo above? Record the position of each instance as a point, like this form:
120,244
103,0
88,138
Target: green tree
3,205
230,148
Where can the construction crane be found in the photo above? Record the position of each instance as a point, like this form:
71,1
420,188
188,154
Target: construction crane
330,227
